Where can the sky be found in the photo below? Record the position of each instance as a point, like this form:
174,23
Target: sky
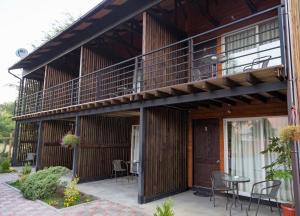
22,24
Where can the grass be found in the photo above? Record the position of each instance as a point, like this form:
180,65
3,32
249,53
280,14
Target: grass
16,184
57,199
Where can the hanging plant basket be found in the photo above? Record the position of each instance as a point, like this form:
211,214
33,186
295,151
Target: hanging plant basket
70,140
288,210
291,133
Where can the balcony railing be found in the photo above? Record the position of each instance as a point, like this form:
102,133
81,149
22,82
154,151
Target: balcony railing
196,58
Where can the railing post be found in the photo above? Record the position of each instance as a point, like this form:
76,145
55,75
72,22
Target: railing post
191,59
281,30
136,73
72,91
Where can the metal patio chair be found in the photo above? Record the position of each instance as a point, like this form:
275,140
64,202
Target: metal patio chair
118,167
218,184
266,190
30,157
263,61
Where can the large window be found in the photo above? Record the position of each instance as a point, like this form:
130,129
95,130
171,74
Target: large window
254,44
244,140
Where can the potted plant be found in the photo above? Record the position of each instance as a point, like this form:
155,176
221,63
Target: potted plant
70,140
281,168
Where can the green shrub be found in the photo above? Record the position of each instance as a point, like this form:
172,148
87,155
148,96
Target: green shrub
71,193
43,183
26,170
4,166
165,210
70,140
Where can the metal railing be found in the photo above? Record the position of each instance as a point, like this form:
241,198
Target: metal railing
193,59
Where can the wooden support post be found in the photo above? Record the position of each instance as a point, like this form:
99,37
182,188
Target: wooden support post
141,182
39,147
16,144
75,150
191,60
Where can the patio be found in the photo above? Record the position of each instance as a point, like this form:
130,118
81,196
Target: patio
125,193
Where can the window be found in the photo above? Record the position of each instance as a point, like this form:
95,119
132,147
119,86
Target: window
257,42
244,140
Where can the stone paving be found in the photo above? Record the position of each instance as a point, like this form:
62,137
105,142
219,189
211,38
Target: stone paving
12,203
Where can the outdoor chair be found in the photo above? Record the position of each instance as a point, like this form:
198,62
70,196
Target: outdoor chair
30,158
218,184
263,61
118,167
265,190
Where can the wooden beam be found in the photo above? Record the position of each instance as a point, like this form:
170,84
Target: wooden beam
242,99
125,99
230,83
253,80
177,91
278,95
39,146
142,149
211,87
159,93
227,101
251,6
204,10
193,89
259,97
215,103
148,95
75,150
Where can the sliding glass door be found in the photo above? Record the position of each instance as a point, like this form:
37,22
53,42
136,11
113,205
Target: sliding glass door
244,140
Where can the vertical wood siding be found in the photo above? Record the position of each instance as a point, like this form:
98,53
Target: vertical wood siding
94,86
60,96
103,139
165,67
165,152
27,142
53,154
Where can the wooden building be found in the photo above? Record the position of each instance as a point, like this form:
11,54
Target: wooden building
202,83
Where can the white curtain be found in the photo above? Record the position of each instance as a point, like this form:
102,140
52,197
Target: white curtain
134,156
243,47
245,140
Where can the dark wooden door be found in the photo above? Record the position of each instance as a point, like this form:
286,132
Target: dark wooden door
206,150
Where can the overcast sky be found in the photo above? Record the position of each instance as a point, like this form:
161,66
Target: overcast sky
22,23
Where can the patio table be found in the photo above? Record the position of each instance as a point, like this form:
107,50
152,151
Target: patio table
235,180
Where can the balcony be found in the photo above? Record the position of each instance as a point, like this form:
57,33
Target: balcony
198,63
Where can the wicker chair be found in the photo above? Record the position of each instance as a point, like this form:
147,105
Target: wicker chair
267,190
218,184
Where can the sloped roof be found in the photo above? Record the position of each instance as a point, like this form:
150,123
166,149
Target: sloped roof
98,20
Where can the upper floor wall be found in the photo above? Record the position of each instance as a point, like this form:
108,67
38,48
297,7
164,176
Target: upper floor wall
246,44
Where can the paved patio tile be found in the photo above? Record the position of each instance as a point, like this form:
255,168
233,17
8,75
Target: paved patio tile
12,203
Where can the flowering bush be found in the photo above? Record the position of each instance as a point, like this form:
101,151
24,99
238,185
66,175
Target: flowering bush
72,194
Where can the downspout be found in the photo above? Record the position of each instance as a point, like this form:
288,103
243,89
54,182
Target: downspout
17,127
292,107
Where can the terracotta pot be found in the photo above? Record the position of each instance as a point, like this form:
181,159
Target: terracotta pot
288,210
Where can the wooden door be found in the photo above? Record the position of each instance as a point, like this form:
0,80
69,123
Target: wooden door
206,150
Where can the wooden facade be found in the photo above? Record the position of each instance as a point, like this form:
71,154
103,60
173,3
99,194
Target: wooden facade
27,142
98,81
53,154
102,140
165,152
255,109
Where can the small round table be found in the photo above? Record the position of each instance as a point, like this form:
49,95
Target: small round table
235,180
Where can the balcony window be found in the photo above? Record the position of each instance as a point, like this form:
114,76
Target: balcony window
255,47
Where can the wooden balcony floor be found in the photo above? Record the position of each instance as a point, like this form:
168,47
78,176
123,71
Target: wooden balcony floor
251,78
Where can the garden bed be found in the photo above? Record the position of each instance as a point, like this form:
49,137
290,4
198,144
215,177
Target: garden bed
57,200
